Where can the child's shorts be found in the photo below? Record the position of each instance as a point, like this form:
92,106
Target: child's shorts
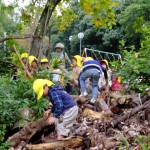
68,120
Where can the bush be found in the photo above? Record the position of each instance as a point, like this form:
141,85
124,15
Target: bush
135,67
15,95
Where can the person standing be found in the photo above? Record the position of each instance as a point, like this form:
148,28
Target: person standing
62,55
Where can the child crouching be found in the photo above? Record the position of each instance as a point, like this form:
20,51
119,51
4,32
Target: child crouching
64,109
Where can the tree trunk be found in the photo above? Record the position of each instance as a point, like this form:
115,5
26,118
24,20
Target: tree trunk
42,26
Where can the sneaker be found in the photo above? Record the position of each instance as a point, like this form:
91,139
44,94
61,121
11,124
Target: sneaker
83,94
93,100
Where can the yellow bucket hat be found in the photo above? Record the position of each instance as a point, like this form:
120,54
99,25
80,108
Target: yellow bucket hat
31,59
44,60
24,55
38,86
106,62
78,59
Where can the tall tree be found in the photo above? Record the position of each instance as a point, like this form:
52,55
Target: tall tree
42,26
101,11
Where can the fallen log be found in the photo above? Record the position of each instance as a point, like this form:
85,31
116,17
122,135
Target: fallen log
92,114
73,142
103,106
26,133
118,98
127,115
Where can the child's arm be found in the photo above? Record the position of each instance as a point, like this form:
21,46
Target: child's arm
58,104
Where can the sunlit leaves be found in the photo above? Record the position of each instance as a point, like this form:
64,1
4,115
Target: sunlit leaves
101,10
26,17
65,19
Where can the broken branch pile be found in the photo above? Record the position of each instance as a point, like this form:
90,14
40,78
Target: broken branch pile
93,130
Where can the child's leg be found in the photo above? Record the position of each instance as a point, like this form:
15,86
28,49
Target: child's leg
95,79
69,118
86,74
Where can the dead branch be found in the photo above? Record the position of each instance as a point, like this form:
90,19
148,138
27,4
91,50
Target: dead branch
26,133
92,114
27,72
73,142
18,37
127,115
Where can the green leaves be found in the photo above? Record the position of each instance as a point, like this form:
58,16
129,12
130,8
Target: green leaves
134,17
16,95
135,68
7,15
102,11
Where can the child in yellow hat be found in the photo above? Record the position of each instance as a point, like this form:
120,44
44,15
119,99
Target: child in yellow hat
24,58
77,66
45,63
64,111
33,65
105,64
92,69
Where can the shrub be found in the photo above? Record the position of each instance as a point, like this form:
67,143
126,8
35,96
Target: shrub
15,95
135,67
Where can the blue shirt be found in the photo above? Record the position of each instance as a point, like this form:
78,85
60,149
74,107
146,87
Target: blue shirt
94,64
60,100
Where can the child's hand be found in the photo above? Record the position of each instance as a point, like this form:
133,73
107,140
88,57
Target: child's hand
46,113
51,120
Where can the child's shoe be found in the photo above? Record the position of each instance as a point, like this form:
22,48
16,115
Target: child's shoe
83,94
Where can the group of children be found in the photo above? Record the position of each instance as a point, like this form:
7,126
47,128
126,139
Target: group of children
65,110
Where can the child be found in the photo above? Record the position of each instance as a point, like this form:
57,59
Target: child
92,69
64,109
33,65
105,64
24,58
44,63
77,66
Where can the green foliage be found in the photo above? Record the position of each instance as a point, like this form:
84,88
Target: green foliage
143,141
7,23
65,19
9,60
135,9
102,11
100,37
135,67
124,140
55,63
14,96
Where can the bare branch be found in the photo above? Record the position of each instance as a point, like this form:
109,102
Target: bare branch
19,37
